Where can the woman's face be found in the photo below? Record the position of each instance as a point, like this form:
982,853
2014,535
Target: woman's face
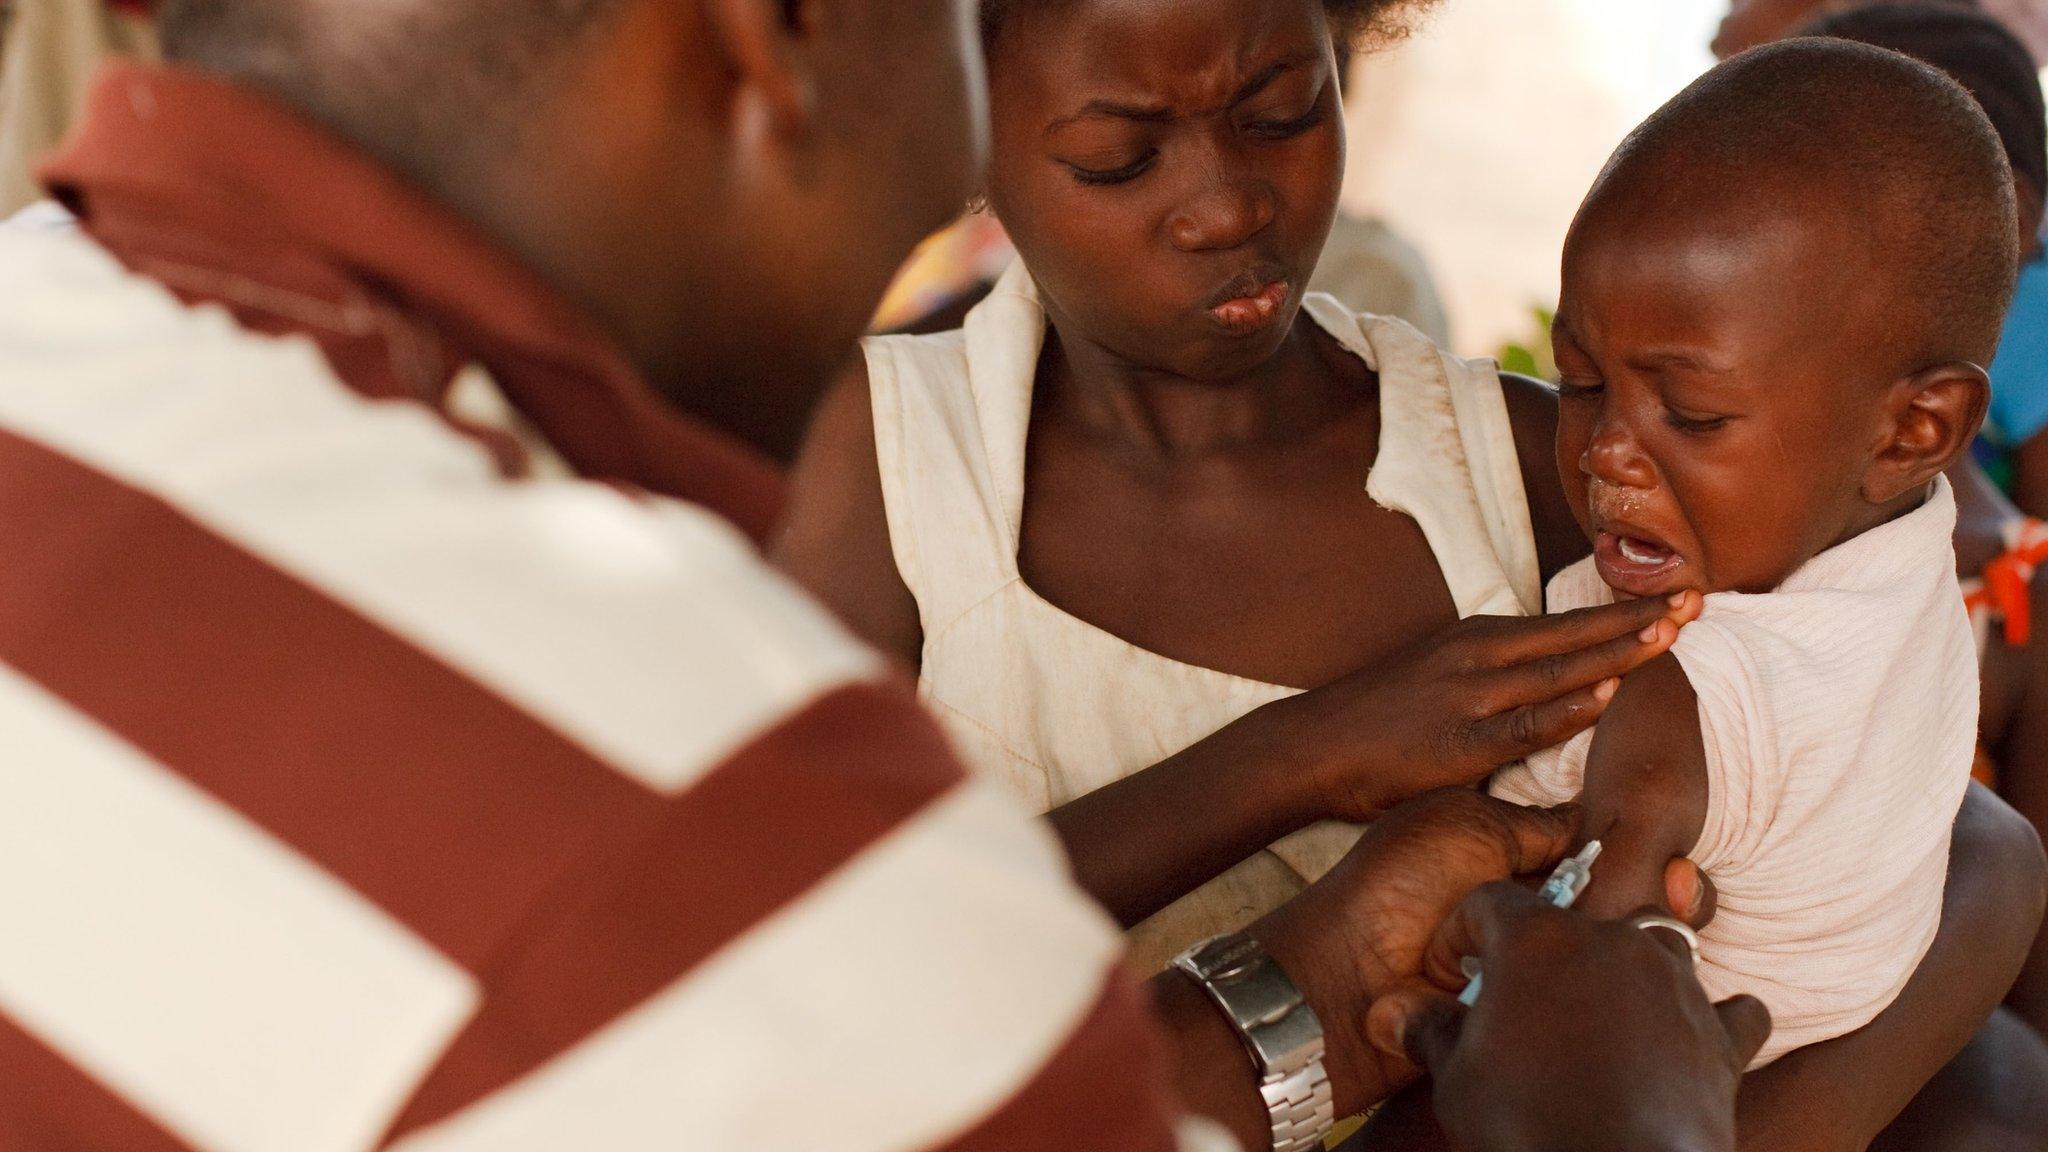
1169,170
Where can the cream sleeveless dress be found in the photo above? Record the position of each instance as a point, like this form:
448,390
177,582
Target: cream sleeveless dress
1053,707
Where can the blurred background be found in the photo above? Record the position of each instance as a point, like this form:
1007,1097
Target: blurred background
1472,142
1476,137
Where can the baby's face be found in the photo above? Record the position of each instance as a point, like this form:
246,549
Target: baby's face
1715,425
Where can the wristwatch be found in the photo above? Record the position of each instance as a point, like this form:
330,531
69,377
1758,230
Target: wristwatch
1278,1028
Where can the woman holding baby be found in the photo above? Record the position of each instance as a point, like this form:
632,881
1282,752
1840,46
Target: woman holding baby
1211,572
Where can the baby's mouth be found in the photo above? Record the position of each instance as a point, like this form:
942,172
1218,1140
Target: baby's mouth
1641,552
1633,563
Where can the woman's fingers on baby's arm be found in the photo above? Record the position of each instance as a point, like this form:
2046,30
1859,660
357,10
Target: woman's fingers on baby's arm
1528,728
1554,674
1545,701
1521,641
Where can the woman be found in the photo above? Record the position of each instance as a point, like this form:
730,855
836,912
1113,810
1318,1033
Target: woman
1181,428
1144,501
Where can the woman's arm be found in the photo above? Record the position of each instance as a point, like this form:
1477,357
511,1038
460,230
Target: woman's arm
1837,1096
2030,475
1532,412
1454,707
1479,694
834,538
2022,757
2014,718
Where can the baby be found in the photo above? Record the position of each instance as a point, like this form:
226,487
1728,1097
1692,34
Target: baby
1776,301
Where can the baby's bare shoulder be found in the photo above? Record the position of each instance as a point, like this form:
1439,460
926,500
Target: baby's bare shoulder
1648,750
1646,787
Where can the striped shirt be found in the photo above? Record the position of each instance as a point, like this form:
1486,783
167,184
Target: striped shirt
386,768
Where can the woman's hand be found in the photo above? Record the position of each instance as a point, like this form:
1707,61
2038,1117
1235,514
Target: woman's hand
1459,704
1481,693
1591,1034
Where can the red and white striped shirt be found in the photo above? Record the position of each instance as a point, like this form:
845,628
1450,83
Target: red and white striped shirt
389,769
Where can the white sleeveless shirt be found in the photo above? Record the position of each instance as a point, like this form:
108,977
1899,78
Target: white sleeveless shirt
1053,707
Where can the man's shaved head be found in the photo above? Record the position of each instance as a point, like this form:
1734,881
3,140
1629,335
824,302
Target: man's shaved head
725,188
424,83
1892,164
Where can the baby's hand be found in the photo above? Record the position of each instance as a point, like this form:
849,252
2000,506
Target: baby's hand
1481,693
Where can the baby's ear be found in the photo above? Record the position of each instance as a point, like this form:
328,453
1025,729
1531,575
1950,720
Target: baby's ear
1931,417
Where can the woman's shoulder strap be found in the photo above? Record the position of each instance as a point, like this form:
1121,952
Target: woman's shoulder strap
951,414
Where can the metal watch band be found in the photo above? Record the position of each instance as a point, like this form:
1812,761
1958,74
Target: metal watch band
1278,1028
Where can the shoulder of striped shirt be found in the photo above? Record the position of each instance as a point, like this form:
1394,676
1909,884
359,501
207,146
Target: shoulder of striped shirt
573,601
650,635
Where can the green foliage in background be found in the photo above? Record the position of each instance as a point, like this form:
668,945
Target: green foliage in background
1531,356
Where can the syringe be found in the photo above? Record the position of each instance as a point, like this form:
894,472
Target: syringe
1562,889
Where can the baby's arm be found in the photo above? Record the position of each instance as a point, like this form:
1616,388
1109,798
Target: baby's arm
1646,788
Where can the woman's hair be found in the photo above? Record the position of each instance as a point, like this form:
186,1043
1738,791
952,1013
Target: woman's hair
1355,23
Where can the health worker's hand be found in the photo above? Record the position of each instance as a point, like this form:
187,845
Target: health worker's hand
1362,930
1590,1034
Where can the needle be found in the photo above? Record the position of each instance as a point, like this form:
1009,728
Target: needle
1562,890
